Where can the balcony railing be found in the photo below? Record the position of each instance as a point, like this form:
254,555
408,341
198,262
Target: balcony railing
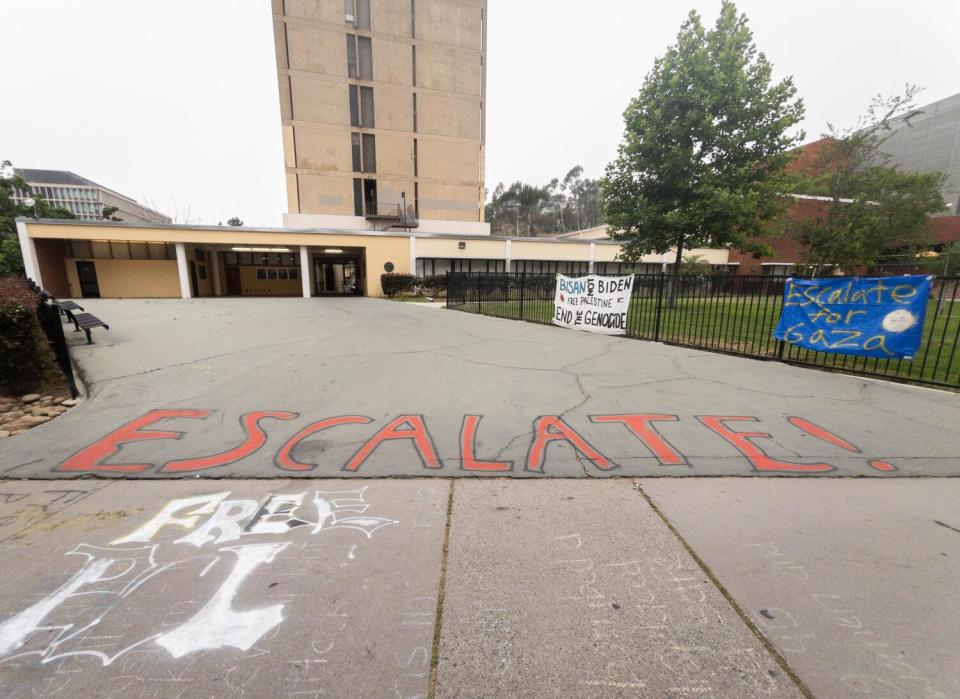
395,214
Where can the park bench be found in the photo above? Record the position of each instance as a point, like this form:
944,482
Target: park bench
67,308
87,321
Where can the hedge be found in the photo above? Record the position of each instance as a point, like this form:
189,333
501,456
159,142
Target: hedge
393,284
22,343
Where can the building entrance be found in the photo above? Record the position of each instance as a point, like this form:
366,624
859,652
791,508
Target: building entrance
338,273
87,274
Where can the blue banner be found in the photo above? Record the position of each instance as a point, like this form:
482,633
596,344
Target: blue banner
865,316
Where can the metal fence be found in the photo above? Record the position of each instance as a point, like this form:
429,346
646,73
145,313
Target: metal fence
52,324
724,313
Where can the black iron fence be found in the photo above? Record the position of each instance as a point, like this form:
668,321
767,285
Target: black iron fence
724,313
52,324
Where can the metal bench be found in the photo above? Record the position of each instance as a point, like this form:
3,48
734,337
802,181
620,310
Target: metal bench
66,308
86,321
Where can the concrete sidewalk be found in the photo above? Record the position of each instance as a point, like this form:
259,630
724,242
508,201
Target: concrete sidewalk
364,387
728,588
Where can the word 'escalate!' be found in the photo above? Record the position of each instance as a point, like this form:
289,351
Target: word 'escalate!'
101,456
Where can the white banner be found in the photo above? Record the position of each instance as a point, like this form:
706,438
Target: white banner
593,303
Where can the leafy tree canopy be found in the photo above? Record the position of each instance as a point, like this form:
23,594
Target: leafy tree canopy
705,145
235,221
559,206
874,207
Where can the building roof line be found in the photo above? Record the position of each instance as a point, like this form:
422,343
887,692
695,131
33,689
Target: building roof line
323,231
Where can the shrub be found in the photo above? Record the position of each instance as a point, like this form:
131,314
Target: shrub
433,285
22,343
393,283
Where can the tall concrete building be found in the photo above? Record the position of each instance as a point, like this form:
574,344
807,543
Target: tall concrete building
931,143
85,198
382,107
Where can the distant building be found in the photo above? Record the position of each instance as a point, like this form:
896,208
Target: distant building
931,143
86,199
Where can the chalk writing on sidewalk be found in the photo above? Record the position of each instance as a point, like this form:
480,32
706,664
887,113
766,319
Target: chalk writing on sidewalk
291,452
224,541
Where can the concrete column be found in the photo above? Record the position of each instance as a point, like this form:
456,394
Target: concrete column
28,250
215,271
508,253
413,255
305,272
183,271
593,255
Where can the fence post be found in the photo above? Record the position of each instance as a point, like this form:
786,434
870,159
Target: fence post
479,283
656,317
780,344
446,284
523,286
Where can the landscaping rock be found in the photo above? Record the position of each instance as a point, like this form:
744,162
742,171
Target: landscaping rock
34,420
58,400
70,402
46,400
30,398
12,415
4,434
16,432
7,407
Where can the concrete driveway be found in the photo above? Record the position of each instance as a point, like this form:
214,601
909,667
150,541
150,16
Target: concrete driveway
302,581
364,387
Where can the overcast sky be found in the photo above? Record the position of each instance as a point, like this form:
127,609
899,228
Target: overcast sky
174,102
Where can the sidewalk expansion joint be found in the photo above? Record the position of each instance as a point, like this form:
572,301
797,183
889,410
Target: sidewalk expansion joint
441,590
744,617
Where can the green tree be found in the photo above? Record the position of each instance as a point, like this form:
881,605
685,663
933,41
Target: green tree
10,259
581,197
705,146
235,221
519,209
107,214
873,207
557,207
694,264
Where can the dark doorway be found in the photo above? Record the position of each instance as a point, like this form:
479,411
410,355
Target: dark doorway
233,280
370,197
338,274
87,274
193,279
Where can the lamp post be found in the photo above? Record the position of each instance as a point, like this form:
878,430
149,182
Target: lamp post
31,203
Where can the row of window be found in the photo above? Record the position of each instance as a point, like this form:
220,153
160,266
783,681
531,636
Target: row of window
282,273
626,267
63,193
119,250
429,266
262,259
549,267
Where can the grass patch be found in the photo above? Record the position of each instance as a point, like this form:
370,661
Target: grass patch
744,325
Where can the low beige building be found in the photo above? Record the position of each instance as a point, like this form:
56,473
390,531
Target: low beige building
78,259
